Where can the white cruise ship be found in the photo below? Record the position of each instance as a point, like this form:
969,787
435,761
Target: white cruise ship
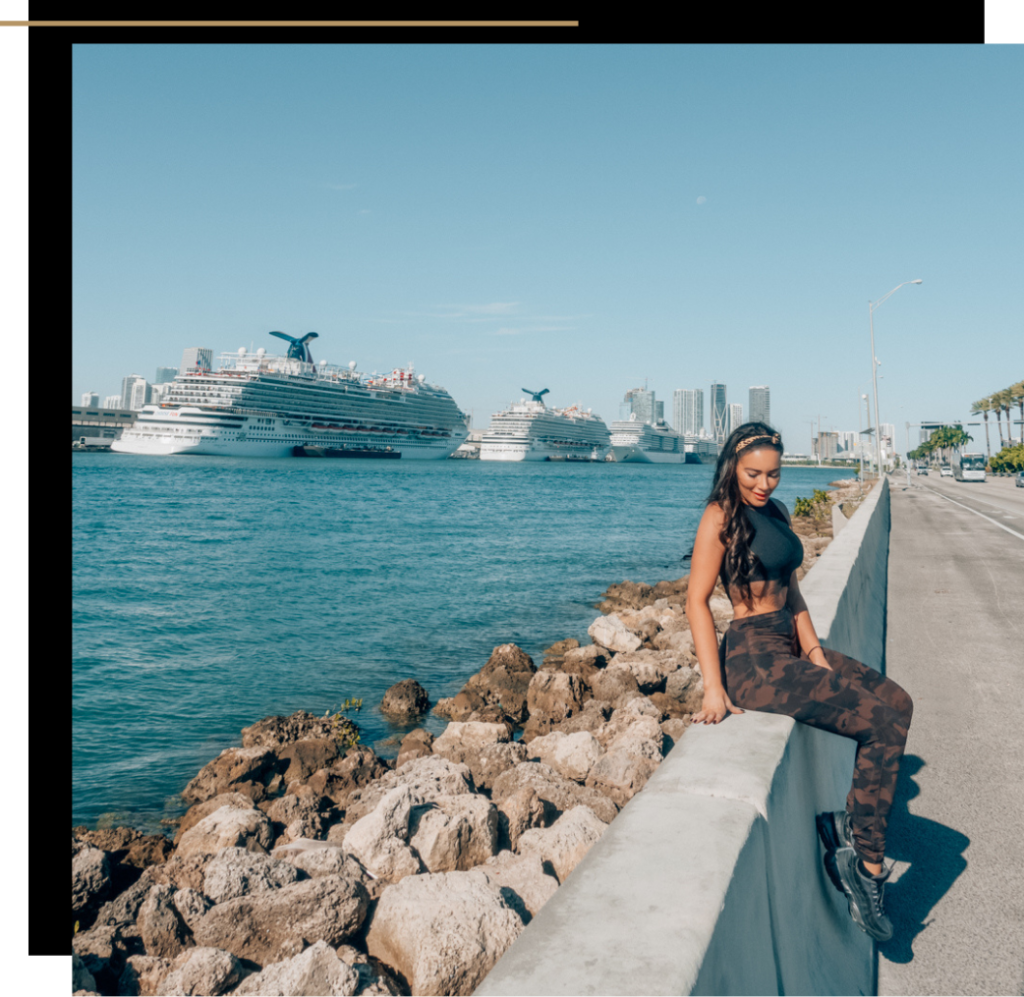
639,442
529,430
700,449
259,405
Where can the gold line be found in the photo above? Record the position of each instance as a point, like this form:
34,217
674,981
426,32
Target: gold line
289,24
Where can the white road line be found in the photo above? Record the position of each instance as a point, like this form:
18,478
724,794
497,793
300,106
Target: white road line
1019,536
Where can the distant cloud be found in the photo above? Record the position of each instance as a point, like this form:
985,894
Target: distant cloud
701,199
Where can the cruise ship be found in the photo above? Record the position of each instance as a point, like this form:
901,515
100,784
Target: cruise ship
529,430
634,441
260,405
700,449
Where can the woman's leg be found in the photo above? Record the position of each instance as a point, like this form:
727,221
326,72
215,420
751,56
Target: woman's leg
771,680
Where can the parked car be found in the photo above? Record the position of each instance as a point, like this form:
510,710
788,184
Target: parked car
1018,479
946,472
923,470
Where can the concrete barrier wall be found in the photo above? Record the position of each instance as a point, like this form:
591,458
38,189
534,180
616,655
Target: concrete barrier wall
710,880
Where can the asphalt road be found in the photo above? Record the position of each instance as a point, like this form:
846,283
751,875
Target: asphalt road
955,642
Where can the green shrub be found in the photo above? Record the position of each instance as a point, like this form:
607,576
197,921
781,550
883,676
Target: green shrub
816,507
345,731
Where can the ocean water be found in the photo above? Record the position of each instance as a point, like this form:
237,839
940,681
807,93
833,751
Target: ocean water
211,592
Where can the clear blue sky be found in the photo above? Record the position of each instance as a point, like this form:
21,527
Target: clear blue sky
575,218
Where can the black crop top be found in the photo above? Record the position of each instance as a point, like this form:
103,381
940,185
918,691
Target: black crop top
778,549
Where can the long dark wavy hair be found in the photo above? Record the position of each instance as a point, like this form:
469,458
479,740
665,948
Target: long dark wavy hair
737,533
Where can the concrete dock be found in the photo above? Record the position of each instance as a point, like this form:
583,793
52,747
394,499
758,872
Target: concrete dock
955,641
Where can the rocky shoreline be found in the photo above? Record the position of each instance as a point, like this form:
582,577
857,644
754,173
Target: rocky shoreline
305,866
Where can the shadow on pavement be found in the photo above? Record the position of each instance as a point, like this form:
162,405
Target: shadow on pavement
935,854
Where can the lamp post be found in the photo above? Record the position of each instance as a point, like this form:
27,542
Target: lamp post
872,305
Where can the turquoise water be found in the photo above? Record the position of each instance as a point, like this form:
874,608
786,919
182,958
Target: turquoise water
210,592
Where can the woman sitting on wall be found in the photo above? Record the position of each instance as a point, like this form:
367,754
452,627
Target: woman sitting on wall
770,659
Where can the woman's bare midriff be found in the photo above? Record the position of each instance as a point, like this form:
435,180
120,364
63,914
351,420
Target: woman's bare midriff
765,597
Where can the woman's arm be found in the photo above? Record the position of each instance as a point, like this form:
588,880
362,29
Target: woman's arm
705,565
804,627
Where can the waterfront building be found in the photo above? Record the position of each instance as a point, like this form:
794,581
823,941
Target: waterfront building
688,411
735,417
760,404
824,446
90,400
719,413
848,441
112,402
165,375
639,402
197,357
158,392
128,387
659,411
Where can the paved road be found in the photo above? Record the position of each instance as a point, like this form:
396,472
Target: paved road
955,641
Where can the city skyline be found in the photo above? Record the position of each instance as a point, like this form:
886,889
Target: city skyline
585,217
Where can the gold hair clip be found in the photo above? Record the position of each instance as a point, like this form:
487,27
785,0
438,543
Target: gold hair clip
774,439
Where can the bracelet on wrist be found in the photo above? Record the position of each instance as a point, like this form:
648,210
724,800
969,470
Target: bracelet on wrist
817,647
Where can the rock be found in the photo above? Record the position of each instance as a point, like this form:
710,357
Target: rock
416,744
444,706
228,827
630,718
553,789
679,641
427,778
316,858
485,748
684,684
233,872
721,608
593,714
405,699
317,971
182,871
198,811
502,681
537,726
123,910
380,839
296,816
565,842
142,975
524,876
241,770
273,926
672,730
573,755
90,881
306,756
610,632
621,773
374,978
103,953
555,695
273,732
129,851
360,767
454,832
519,812
81,978
617,684
161,927
560,647
582,658
649,676
191,905
443,931
628,595
202,971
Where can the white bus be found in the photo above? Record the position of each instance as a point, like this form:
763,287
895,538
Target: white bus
969,466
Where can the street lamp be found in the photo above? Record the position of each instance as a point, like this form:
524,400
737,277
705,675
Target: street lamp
872,305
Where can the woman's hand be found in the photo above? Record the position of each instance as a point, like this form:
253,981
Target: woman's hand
716,704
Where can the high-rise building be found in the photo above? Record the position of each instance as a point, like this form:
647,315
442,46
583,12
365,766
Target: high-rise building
90,400
824,445
128,387
848,441
659,411
719,413
760,404
688,411
888,438
140,395
639,402
196,356
112,401
735,417
157,392
165,374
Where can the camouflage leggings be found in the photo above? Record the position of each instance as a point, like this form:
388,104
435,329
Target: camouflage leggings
763,669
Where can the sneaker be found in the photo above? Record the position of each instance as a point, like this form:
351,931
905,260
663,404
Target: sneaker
835,829
864,893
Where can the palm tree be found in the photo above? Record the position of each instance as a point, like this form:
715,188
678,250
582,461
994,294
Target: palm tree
1005,400
1017,391
997,408
984,406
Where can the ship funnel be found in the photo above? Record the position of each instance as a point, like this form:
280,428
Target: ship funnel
352,365
537,396
299,349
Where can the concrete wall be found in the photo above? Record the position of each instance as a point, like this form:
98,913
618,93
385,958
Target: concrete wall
710,880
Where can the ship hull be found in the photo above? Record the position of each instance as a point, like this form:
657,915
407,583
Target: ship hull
635,455
255,448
